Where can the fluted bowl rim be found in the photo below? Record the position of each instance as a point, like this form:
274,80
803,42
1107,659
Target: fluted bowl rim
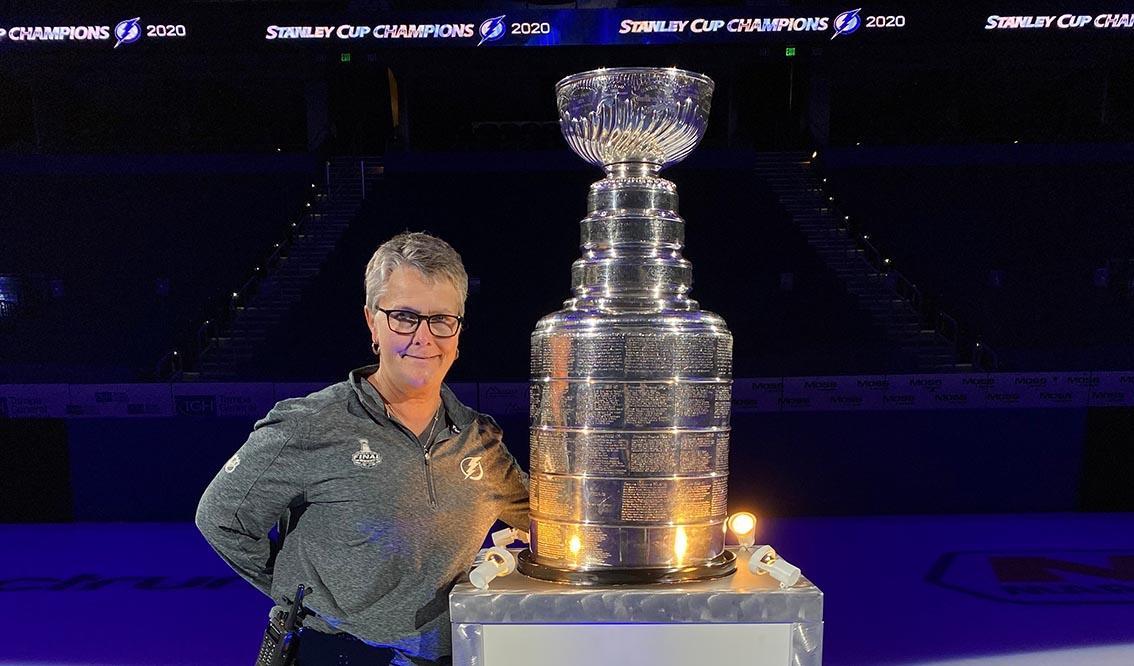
594,73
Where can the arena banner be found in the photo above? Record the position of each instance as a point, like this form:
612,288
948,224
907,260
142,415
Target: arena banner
170,27
33,401
199,399
762,394
1111,389
119,400
504,398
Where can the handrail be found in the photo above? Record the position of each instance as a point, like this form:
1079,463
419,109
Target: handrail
172,362
947,327
985,358
943,323
906,289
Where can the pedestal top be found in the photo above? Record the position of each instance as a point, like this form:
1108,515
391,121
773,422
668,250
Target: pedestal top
741,597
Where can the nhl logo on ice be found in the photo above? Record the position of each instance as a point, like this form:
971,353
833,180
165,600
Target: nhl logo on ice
364,457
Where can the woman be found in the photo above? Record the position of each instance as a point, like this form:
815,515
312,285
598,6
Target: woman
386,482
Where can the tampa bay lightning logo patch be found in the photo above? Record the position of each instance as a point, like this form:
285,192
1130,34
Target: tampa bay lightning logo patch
491,29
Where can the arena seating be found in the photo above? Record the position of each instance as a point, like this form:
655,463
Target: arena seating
114,265
1035,257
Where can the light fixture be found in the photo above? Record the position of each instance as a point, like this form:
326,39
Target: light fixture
497,562
743,527
766,561
814,154
507,535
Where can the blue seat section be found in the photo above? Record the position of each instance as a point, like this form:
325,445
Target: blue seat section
518,233
1035,257
113,267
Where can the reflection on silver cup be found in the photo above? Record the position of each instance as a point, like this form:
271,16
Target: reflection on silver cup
631,380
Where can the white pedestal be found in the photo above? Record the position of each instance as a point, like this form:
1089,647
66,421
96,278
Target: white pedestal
744,618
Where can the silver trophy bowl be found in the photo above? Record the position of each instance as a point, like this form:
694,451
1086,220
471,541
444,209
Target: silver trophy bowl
631,380
634,115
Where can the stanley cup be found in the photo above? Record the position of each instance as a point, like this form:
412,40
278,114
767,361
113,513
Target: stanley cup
631,380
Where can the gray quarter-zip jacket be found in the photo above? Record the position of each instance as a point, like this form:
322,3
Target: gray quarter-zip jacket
382,526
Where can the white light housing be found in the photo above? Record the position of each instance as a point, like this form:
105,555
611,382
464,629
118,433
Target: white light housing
766,561
507,535
497,562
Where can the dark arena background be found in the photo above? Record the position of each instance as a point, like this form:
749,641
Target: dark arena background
917,220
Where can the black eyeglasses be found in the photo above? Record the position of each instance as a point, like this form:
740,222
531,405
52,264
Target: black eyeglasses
407,322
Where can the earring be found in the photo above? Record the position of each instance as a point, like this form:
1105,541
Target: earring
374,348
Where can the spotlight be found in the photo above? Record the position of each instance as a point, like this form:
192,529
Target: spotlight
814,154
743,527
766,561
497,562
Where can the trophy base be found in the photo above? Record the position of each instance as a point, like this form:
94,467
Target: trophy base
718,567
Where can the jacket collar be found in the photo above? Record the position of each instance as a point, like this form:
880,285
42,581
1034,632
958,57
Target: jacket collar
460,415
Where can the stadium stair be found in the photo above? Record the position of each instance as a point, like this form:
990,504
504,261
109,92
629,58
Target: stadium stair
789,176
255,315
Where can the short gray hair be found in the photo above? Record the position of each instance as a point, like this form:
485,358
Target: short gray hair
435,258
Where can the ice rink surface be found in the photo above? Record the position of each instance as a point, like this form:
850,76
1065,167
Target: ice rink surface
1032,590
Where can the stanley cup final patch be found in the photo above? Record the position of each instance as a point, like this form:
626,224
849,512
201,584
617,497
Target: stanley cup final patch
364,457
